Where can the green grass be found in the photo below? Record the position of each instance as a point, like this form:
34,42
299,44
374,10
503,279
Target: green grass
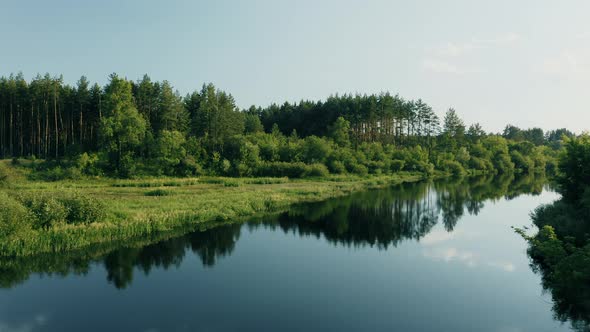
132,212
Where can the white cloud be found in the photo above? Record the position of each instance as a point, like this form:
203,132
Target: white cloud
452,254
443,59
445,67
437,236
453,49
465,257
439,66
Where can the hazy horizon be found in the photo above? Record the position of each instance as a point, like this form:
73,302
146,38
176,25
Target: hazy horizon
523,63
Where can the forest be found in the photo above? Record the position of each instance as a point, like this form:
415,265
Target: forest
86,164
144,128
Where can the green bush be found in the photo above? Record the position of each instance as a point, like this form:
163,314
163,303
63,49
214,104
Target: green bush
50,210
317,170
82,209
337,167
359,169
280,169
189,167
47,210
522,163
397,165
14,217
158,192
453,167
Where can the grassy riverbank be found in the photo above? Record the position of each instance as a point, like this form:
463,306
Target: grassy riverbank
145,207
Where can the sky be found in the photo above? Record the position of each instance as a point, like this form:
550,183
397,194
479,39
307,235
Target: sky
523,62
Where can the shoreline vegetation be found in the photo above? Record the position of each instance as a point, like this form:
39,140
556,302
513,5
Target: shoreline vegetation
87,164
146,208
560,250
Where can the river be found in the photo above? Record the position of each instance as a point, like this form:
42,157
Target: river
432,256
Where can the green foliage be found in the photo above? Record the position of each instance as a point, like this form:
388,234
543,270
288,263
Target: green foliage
15,219
51,210
397,165
521,163
339,132
88,163
169,152
252,124
280,169
82,209
315,150
123,130
574,168
453,167
47,210
317,170
3,176
158,192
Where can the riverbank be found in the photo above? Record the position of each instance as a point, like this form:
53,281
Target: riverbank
135,209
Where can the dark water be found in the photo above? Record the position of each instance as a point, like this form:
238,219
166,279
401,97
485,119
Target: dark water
419,257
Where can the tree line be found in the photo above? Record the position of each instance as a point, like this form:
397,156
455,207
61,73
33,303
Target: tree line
129,127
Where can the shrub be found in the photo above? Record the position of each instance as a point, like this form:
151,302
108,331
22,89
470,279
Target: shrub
359,169
453,167
189,167
315,149
87,163
158,192
397,165
3,176
47,211
318,170
82,209
521,162
14,217
280,169
375,167
337,167
480,164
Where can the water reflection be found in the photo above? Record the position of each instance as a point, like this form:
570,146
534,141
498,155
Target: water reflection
380,218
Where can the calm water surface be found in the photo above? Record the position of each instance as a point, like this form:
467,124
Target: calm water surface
419,257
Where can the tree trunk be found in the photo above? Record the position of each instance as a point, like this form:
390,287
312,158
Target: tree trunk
55,118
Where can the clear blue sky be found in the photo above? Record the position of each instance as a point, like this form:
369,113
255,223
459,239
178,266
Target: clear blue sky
526,62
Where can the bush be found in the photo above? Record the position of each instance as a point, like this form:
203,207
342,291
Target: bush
14,217
359,169
82,209
337,167
318,170
47,211
189,167
522,163
397,165
87,163
280,169
480,164
453,167
3,176
158,192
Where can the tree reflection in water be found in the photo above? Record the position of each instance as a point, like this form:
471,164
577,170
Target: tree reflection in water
381,218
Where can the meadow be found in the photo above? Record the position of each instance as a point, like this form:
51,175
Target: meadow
133,209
